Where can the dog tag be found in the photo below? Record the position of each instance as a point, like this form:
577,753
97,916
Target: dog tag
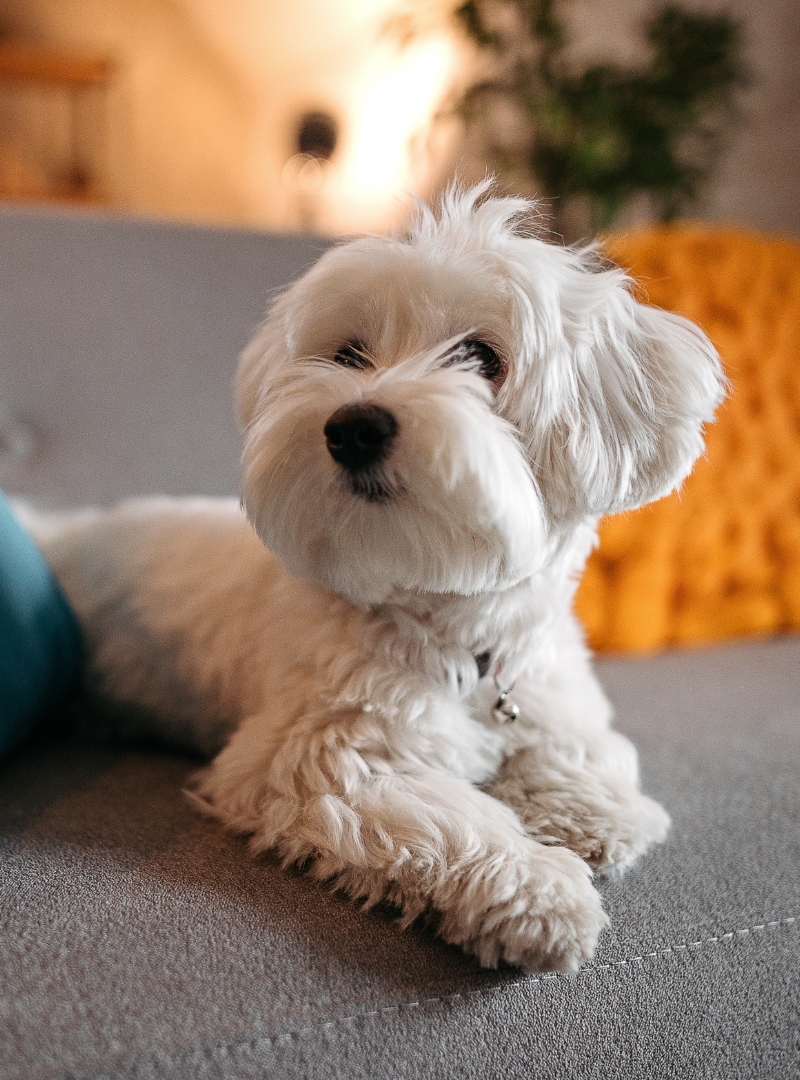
505,710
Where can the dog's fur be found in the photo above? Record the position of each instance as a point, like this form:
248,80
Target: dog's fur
336,660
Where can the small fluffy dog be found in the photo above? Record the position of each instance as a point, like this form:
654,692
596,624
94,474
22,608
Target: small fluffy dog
383,651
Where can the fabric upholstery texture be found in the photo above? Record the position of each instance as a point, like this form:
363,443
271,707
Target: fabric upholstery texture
720,559
138,940
118,344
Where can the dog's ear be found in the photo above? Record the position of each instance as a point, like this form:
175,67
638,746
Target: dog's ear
619,391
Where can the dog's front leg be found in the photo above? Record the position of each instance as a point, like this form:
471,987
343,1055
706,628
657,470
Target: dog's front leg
423,839
573,780
580,788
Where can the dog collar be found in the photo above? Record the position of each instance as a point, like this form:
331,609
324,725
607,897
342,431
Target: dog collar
505,709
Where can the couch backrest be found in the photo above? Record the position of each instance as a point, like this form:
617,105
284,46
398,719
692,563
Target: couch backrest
118,343
119,339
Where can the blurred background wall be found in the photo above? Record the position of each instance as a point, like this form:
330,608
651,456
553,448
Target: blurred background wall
198,102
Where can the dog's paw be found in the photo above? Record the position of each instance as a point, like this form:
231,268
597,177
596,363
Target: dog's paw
608,828
542,915
619,839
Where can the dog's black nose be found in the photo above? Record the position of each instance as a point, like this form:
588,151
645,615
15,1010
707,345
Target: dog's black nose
359,435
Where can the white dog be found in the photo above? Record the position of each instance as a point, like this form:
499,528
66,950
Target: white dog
386,653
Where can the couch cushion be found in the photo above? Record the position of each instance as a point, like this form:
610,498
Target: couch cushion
139,940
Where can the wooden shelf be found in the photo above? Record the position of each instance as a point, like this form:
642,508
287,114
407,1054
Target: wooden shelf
64,196
28,72
23,62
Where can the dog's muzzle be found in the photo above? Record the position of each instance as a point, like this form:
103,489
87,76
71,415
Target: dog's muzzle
360,435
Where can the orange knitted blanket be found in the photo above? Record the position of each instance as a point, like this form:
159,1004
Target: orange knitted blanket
721,558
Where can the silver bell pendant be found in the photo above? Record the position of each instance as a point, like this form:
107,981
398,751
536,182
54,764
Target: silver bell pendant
505,710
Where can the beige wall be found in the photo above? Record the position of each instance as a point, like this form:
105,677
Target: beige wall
178,117
207,92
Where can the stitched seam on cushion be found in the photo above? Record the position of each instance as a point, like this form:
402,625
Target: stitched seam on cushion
224,1047
526,981
669,949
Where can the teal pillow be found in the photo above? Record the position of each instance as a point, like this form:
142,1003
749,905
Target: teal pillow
40,641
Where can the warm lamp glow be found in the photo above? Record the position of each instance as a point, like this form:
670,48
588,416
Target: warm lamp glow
389,117
302,172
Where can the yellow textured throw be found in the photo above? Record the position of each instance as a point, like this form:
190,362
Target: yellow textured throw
721,559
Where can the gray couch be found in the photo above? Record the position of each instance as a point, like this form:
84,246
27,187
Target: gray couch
137,939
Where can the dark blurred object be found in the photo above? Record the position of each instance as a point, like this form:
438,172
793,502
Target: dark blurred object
307,170
607,133
52,121
317,135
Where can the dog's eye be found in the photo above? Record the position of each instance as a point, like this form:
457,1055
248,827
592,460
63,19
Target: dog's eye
491,366
353,354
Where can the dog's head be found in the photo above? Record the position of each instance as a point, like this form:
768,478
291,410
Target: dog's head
436,412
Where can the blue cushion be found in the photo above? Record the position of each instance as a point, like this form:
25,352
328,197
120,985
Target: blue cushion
40,642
